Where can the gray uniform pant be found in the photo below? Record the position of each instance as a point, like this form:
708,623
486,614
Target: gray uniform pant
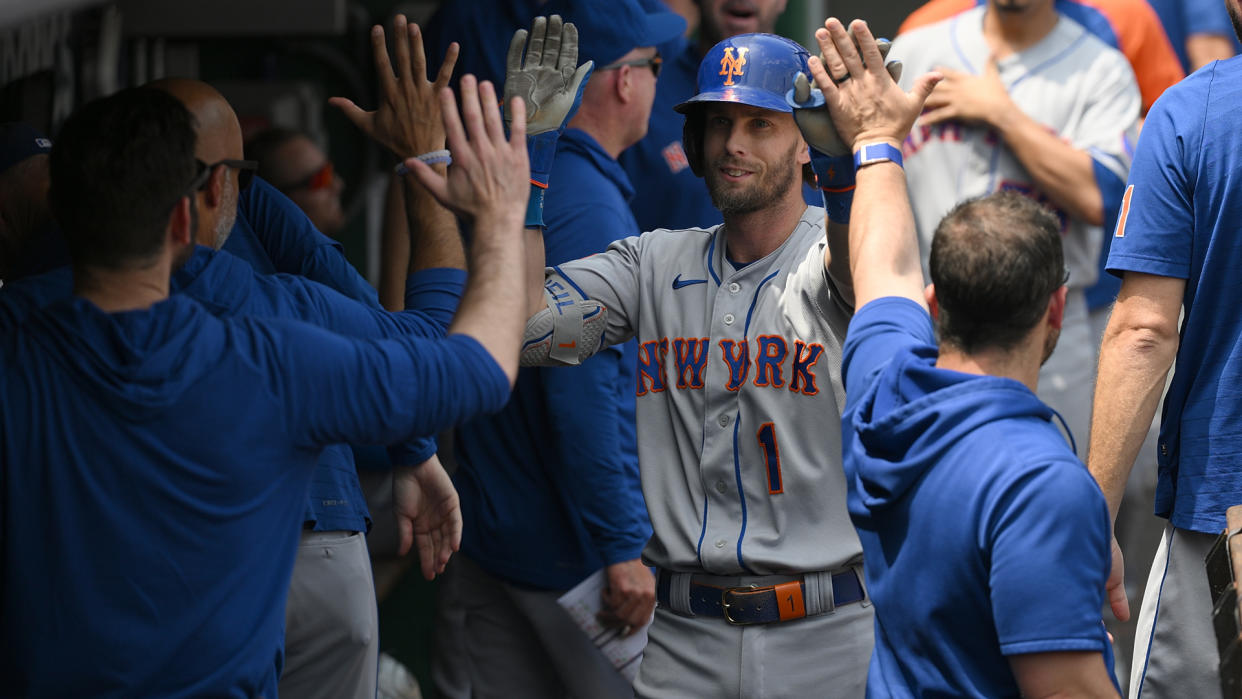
1175,653
494,639
331,621
820,656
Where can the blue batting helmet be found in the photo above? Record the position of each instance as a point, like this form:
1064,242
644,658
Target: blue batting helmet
752,69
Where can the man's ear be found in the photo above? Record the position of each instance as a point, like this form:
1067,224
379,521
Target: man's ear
1056,307
929,293
181,223
624,84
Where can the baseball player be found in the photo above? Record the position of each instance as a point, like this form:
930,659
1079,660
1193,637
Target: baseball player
1031,102
739,330
959,478
1177,250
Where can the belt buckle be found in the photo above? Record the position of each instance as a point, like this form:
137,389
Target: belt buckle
724,604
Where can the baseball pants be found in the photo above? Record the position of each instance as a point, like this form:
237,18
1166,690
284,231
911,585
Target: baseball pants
331,621
1175,653
494,639
819,656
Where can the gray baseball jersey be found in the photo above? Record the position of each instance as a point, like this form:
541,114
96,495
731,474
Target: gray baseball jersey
1071,82
739,396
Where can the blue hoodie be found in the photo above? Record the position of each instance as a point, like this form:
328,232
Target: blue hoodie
154,467
983,535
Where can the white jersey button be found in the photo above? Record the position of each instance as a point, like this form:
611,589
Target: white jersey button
728,319
724,420
734,287
720,543
721,487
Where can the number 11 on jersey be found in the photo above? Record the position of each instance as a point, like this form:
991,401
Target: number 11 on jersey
771,457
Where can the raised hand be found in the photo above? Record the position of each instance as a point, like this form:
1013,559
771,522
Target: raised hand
547,76
407,120
811,114
865,102
490,175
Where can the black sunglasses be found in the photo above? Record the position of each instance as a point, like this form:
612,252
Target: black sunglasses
245,172
655,63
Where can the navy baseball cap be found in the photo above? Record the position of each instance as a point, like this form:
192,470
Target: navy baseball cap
19,141
607,30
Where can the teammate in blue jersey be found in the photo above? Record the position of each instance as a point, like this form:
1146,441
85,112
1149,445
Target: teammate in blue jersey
545,506
150,520
1177,252
985,541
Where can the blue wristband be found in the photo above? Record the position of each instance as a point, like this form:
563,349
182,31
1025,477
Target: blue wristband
534,207
872,153
835,176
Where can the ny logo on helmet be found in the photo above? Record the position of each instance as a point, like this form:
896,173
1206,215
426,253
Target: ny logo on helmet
731,67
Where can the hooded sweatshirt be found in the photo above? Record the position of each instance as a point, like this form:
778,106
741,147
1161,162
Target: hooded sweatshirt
983,535
154,468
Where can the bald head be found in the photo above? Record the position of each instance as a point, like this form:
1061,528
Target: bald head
219,132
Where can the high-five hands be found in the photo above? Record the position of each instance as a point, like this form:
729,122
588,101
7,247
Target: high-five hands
863,98
407,120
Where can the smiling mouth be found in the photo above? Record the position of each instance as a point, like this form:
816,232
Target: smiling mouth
740,14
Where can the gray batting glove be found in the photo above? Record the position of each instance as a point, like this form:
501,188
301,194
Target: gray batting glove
550,80
811,114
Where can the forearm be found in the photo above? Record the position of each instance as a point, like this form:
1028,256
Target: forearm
493,304
837,259
394,248
1061,171
534,266
434,237
1134,363
883,249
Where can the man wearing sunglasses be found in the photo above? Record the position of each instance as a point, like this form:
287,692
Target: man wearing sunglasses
578,500
300,169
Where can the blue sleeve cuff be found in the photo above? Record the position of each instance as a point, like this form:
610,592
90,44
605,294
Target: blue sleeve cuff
412,452
436,292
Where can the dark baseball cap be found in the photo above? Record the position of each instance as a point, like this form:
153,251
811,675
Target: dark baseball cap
607,30
19,141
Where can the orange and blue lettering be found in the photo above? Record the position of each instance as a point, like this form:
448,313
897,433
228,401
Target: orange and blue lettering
737,356
690,355
802,379
769,356
771,457
651,366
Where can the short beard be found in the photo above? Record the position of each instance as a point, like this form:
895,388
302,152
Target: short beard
228,216
756,198
1050,344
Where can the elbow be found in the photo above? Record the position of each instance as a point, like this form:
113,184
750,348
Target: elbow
1150,337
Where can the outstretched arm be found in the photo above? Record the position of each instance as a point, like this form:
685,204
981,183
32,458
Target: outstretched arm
407,122
869,109
487,186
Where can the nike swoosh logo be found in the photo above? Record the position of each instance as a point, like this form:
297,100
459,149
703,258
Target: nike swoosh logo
678,283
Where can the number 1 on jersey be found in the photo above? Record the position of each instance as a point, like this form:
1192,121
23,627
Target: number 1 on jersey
771,457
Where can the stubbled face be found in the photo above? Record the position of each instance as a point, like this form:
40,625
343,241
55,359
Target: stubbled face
752,156
721,19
